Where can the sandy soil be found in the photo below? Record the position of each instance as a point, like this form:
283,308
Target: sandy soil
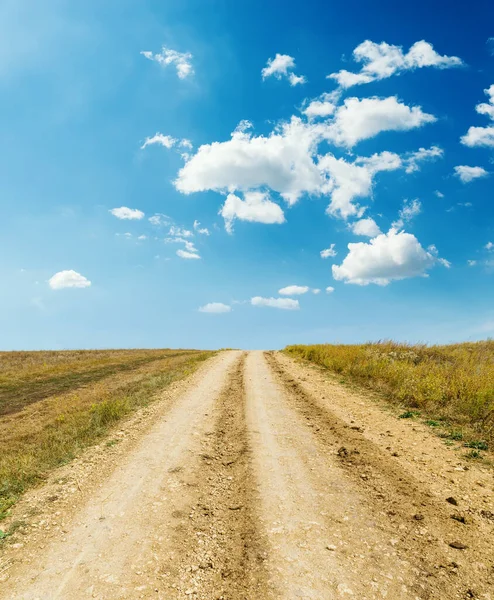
258,477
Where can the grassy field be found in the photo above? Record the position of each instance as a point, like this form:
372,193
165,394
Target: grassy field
54,404
453,385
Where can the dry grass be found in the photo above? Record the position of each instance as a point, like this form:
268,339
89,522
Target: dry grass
453,383
54,404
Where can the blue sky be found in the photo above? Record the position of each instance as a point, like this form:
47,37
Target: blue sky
248,137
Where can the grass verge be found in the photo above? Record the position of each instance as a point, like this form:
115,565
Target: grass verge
453,384
80,420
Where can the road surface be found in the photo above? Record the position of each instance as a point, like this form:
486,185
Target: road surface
259,478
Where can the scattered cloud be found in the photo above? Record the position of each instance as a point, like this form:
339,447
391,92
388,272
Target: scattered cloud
348,181
68,279
422,154
127,213
328,252
367,227
187,255
409,210
158,138
383,60
142,237
215,308
159,219
316,291
482,136
180,60
323,106
283,303
388,257
439,194
201,230
294,290
329,289
255,208
281,66
467,174
360,119
489,246
179,232
471,263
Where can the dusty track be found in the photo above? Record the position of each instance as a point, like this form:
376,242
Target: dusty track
260,479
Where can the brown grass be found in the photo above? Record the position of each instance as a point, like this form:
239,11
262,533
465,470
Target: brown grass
54,404
454,384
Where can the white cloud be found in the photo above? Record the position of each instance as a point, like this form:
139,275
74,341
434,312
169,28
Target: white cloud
422,154
68,279
142,237
482,136
127,213
159,219
471,263
384,60
409,210
489,246
283,303
367,227
328,252
361,119
390,256
296,79
439,194
158,138
187,255
179,232
329,289
354,180
180,60
281,66
281,161
467,174
324,106
293,290
199,229
215,308
255,208
316,291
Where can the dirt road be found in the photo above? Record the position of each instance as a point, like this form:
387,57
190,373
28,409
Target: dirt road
259,478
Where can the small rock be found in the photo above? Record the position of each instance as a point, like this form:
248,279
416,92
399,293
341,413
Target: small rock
458,546
418,517
459,518
395,454
343,452
452,501
331,547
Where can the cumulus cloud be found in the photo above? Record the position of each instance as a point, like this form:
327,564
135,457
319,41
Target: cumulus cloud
482,136
199,229
439,194
281,161
348,181
283,303
187,255
367,227
329,289
467,174
281,66
414,159
328,252
323,106
127,213
489,246
409,210
68,279
384,60
179,232
180,60
316,291
360,119
158,138
215,308
390,256
293,290
255,208
159,219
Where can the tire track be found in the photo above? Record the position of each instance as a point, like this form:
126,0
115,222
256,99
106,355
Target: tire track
218,552
422,527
